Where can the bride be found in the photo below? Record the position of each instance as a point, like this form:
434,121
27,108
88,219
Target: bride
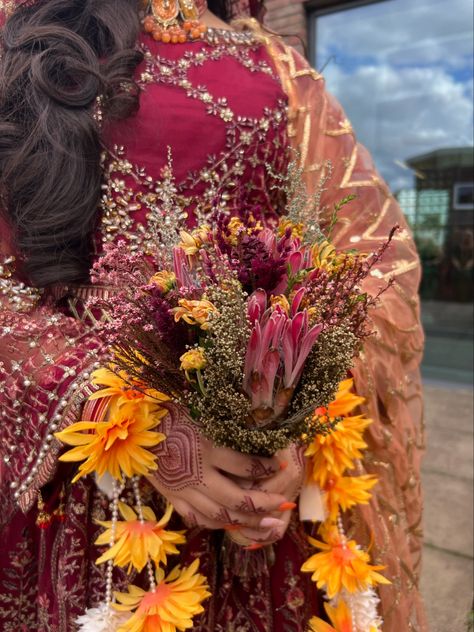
94,96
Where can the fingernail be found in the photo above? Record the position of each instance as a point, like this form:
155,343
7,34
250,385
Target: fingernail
283,465
270,523
287,506
232,527
253,547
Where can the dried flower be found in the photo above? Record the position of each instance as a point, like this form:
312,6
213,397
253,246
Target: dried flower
287,227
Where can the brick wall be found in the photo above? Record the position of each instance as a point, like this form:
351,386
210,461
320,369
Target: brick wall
287,17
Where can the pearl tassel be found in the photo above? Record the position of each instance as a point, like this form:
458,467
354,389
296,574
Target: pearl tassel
362,605
103,618
138,501
342,533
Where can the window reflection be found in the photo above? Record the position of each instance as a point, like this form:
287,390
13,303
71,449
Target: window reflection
404,73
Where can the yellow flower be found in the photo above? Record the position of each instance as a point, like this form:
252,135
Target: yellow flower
341,564
235,227
282,301
324,255
171,607
117,446
343,492
195,312
335,452
340,617
297,230
164,280
125,389
193,360
136,541
191,243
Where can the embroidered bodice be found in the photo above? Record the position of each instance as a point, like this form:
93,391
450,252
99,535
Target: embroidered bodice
211,131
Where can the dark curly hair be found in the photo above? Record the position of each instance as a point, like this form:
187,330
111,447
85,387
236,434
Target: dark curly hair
58,56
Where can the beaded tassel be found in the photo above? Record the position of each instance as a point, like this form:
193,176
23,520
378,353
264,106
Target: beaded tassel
138,501
103,618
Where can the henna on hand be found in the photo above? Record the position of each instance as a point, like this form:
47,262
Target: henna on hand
180,455
196,477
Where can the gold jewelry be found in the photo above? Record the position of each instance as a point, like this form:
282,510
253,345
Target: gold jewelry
175,21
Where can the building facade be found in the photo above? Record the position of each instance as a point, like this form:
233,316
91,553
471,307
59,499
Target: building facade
289,17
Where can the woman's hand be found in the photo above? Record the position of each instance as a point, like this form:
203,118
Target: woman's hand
217,488
287,482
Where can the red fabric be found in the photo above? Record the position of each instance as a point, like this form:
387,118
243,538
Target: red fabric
169,119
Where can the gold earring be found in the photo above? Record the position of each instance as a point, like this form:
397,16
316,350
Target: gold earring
174,21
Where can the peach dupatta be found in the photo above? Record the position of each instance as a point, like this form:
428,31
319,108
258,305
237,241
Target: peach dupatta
387,374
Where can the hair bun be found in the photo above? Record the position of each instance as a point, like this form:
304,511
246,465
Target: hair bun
65,68
58,56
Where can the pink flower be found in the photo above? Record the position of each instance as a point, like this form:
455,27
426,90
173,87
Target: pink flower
296,302
181,268
298,341
278,348
257,304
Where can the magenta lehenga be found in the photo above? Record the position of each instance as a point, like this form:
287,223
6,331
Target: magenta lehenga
225,111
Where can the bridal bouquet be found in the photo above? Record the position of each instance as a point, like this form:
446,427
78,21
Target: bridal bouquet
251,328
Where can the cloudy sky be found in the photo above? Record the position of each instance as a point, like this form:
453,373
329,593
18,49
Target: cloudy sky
403,70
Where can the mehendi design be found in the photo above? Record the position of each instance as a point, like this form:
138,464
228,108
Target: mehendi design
259,470
248,506
297,454
180,455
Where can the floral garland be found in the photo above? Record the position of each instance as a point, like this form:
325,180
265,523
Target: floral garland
126,415
341,568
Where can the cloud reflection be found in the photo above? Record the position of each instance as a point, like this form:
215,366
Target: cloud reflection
403,72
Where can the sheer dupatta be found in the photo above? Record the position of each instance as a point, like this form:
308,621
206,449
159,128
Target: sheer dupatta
45,362
387,374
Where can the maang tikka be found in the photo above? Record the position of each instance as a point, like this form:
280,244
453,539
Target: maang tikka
175,21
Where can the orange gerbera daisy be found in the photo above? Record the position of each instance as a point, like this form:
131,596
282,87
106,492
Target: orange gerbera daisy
137,541
119,384
340,618
341,564
170,607
331,454
343,492
117,446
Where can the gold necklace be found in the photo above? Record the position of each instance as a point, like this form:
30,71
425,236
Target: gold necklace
175,21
